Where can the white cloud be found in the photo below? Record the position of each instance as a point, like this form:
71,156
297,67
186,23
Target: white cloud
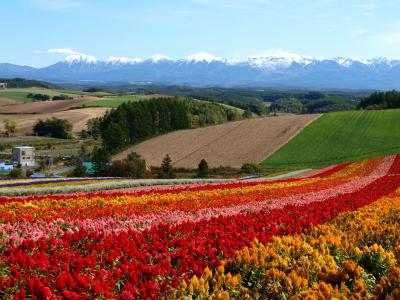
56,5
367,8
67,51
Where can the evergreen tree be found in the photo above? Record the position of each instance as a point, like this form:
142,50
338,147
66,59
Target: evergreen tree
101,161
202,170
167,170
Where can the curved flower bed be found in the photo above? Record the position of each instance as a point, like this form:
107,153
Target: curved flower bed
156,242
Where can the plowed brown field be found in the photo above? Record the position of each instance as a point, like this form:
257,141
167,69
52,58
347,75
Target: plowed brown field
230,144
7,101
78,117
44,106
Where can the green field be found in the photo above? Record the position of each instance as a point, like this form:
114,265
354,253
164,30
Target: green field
113,102
340,137
21,94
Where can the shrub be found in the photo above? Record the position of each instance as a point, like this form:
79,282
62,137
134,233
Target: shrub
79,171
250,168
202,170
16,173
54,127
133,166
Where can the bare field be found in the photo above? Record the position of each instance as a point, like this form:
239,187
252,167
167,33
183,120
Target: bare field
44,106
230,144
7,101
78,117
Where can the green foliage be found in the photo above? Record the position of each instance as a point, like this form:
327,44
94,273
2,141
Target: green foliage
54,127
250,168
167,171
380,100
240,98
93,90
10,126
133,166
112,102
135,121
101,161
340,137
25,83
16,172
202,170
328,104
206,113
38,97
79,171
375,264
61,97
290,105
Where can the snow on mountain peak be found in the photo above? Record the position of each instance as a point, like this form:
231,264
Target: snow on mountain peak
159,57
280,59
123,60
202,57
80,58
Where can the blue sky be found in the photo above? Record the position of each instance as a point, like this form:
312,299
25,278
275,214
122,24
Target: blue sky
177,28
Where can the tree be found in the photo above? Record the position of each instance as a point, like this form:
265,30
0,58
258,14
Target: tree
79,171
93,127
250,168
16,172
202,170
167,170
10,126
247,114
134,168
54,127
101,161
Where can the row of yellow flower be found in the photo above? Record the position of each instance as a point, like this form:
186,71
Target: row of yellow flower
352,172
356,256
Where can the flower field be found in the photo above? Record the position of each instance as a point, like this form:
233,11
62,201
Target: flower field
332,234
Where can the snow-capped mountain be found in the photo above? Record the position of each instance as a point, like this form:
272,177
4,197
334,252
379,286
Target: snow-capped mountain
202,69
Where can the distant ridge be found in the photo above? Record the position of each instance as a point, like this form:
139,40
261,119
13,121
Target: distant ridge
202,69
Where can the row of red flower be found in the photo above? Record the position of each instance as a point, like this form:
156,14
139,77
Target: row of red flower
145,264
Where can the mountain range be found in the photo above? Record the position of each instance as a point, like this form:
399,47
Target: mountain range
202,69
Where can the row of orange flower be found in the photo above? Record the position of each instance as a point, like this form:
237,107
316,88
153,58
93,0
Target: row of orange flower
143,243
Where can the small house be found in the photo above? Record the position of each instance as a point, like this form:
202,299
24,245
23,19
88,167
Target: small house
24,156
3,86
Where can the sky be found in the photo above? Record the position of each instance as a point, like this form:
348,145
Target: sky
42,32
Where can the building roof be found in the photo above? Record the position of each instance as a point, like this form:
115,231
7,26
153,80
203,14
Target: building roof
23,147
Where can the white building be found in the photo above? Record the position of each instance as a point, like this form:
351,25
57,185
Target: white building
5,168
3,86
24,155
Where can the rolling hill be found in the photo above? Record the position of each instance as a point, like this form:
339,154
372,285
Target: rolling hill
340,137
230,144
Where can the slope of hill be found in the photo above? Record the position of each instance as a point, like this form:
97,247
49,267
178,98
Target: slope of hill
78,117
340,137
230,144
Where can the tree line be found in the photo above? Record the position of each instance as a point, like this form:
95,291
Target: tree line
133,122
381,100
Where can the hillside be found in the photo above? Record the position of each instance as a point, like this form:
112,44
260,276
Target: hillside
340,137
230,144
78,117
